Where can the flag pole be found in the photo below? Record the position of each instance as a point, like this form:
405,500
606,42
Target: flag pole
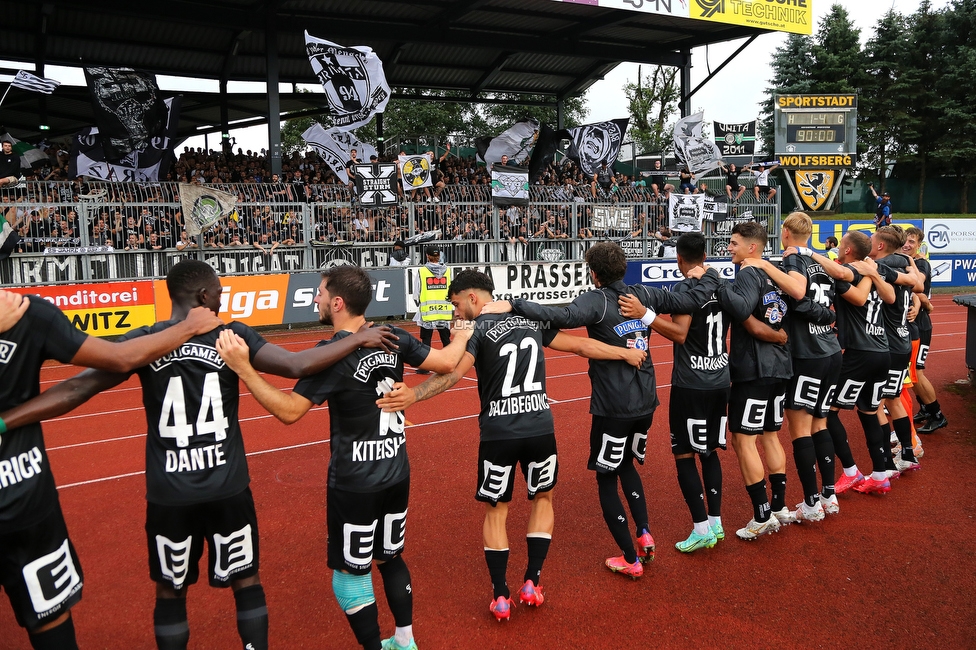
5,92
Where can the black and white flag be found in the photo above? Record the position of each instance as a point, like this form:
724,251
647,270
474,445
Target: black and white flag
685,212
509,185
333,146
152,164
415,172
593,144
27,81
736,139
128,110
694,150
353,79
716,208
613,218
515,142
376,184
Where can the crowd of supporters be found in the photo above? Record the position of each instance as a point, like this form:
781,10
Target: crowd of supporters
272,207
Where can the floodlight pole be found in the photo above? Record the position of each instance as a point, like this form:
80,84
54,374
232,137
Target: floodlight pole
274,103
684,105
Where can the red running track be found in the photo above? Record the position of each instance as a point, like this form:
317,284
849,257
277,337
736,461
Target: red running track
889,570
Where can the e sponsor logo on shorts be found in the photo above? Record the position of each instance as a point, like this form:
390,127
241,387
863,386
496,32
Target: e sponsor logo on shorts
174,559
235,552
496,480
51,579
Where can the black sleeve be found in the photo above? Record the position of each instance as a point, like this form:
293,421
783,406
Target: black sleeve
842,287
814,312
548,334
887,273
685,302
474,343
739,299
254,340
413,351
587,309
61,340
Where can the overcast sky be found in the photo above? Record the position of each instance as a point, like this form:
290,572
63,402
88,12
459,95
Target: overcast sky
733,95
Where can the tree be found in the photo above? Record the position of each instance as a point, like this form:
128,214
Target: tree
498,117
957,144
880,103
652,101
838,63
920,128
791,75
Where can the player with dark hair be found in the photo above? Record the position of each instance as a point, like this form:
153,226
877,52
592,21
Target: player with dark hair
369,475
816,356
623,402
759,371
196,470
39,569
516,424
699,396
930,416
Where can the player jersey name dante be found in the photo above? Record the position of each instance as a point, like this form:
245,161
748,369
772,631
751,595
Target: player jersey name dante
191,460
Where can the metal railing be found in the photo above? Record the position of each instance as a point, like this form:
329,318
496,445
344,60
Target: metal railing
100,231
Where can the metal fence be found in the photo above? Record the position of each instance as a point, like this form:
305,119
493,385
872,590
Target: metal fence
101,231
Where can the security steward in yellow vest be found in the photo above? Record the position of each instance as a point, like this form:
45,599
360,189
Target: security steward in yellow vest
436,311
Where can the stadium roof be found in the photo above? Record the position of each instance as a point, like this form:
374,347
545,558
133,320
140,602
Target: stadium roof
555,49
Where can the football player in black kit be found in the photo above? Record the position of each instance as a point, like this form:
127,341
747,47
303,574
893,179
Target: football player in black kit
816,366
699,396
369,475
759,371
196,470
516,423
39,569
865,362
886,245
623,401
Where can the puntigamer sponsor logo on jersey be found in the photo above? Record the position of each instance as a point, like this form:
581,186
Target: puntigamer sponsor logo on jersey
629,327
503,327
7,349
373,361
190,352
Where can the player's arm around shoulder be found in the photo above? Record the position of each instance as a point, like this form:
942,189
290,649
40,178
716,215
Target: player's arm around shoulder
287,407
675,330
278,361
592,349
62,398
134,353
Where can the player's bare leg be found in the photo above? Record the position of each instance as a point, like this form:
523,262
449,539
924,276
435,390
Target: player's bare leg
496,556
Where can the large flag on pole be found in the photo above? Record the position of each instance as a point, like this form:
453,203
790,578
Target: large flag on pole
204,206
693,150
593,144
353,79
515,142
27,81
127,107
334,146
152,164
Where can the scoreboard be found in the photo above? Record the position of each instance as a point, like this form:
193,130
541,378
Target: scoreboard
815,131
